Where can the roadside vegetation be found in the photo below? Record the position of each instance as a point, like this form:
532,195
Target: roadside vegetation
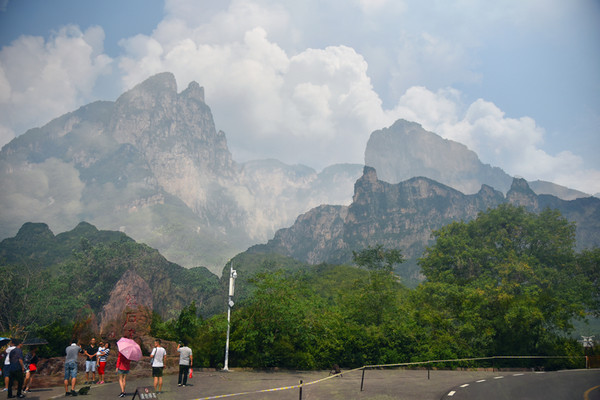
507,283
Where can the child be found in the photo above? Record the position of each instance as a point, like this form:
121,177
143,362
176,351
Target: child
103,351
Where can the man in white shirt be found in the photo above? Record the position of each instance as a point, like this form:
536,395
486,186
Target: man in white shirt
185,363
159,356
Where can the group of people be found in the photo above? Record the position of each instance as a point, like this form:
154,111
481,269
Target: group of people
97,355
18,368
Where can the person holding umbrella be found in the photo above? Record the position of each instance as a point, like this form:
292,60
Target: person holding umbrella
31,360
123,367
129,351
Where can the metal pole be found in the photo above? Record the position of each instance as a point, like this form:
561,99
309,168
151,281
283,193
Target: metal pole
428,369
226,366
362,381
300,389
232,276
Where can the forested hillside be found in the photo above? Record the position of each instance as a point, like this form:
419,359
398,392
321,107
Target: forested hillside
69,276
509,282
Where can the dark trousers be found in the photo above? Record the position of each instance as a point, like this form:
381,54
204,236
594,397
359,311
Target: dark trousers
184,371
18,376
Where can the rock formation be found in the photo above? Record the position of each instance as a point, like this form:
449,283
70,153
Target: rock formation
403,216
129,310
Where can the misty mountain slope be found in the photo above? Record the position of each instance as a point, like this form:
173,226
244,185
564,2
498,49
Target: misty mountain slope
405,150
153,165
403,216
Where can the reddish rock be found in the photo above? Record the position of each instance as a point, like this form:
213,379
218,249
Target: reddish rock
129,310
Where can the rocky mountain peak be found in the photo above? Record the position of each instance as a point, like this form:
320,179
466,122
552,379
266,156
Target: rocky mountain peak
405,150
194,91
520,194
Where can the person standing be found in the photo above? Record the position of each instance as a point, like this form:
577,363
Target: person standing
103,351
72,352
6,366
17,370
90,362
158,356
123,367
31,360
185,363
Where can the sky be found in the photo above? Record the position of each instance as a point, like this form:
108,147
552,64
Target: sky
306,82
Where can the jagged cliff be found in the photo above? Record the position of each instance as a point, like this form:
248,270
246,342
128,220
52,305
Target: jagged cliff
153,165
403,216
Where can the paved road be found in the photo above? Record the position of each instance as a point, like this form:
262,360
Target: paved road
561,385
378,385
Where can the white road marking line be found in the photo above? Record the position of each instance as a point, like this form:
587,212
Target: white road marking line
518,374
498,377
540,372
482,380
465,385
451,393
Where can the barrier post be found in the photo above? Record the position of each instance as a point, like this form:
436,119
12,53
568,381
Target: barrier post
362,381
428,369
300,389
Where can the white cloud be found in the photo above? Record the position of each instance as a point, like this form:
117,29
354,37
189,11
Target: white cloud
283,81
317,106
40,80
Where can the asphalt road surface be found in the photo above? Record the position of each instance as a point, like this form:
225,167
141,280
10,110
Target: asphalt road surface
387,384
560,385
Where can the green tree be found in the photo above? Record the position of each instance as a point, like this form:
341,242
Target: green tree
504,283
378,295
188,324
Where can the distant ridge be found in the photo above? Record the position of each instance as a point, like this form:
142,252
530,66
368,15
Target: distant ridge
405,150
403,216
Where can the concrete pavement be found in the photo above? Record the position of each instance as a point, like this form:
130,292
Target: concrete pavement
384,384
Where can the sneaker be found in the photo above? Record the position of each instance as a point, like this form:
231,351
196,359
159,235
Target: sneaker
183,385
122,394
67,393
73,393
20,396
179,384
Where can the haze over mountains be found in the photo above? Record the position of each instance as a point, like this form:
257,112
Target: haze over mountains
153,165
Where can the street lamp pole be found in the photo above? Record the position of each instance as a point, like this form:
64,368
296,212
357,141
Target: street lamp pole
588,343
232,276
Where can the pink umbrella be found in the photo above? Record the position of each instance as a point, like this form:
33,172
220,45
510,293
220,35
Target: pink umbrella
130,349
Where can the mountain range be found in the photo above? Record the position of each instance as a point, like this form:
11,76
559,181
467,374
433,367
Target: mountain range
153,165
403,216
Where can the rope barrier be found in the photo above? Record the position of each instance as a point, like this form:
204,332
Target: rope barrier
300,385
279,388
